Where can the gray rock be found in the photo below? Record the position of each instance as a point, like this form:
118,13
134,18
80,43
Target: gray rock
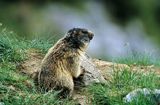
135,93
92,73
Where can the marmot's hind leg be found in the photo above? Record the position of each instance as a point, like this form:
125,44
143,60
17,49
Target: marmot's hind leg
68,87
45,81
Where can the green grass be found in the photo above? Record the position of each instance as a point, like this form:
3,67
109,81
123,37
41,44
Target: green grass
137,58
124,81
10,47
18,89
13,48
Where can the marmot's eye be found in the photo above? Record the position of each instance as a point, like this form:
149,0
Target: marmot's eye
85,31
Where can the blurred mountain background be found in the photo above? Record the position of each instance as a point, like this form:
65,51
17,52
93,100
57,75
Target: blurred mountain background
121,27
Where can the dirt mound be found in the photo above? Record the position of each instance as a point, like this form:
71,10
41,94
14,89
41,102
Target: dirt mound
32,63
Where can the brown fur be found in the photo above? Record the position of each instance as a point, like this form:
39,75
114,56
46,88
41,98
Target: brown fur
62,63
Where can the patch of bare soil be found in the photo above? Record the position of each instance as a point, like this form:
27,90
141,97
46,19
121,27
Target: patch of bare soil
33,62
107,69
146,69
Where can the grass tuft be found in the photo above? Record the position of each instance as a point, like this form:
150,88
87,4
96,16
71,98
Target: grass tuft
124,81
143,59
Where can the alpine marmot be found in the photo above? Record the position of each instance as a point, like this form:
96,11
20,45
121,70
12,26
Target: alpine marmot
62,62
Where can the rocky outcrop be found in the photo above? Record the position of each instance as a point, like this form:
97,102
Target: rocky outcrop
153,94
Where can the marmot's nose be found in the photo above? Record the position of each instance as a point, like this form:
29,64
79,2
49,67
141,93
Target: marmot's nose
90,35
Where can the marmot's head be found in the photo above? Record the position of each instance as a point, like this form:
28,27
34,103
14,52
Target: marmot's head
79,37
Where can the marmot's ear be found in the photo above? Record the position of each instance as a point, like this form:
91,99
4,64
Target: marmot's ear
68,36
71,30
69,33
